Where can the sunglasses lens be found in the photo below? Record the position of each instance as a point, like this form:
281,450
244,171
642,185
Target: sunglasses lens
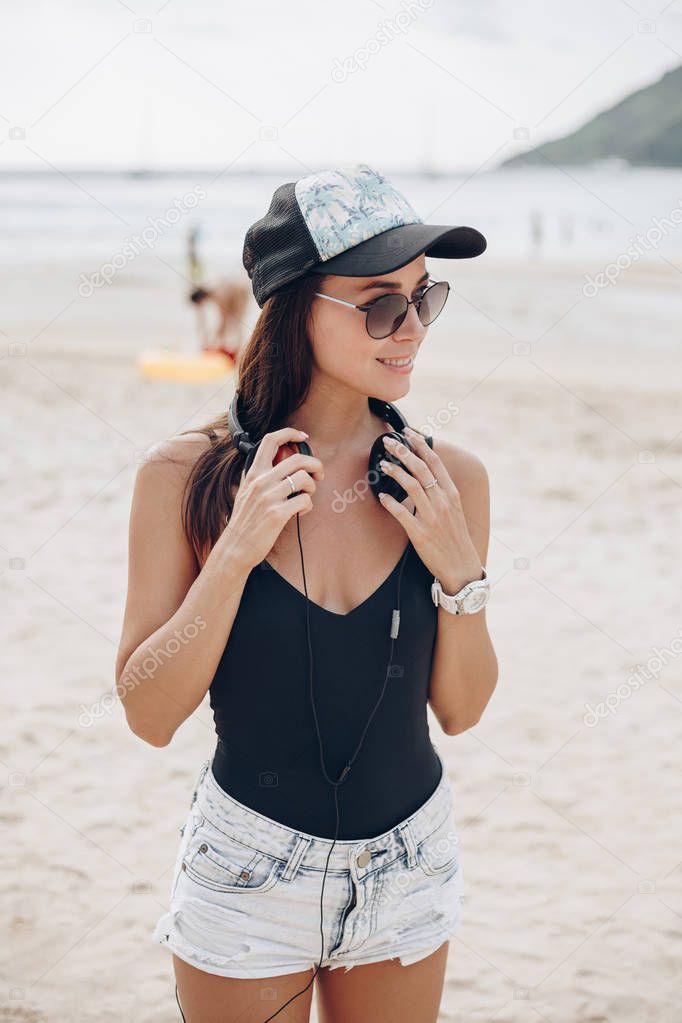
433,301
386,315
389,311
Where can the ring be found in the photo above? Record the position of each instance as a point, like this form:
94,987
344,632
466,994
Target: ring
292,485
433,483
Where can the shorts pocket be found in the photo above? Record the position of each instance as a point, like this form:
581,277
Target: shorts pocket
224,863
438,853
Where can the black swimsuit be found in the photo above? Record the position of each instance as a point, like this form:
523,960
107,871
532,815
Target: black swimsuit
268,755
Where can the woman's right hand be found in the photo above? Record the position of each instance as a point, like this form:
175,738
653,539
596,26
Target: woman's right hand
262,506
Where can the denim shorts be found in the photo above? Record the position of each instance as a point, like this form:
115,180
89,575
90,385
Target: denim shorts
245,892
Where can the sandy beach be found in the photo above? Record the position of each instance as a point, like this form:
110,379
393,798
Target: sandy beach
567,791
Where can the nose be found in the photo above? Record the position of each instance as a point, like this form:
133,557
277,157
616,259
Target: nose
411,327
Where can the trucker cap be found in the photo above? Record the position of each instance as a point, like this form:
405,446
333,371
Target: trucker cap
350,220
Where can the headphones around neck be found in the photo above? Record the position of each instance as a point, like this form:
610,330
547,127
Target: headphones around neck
378,482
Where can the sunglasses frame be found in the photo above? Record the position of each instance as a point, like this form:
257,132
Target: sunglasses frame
416,302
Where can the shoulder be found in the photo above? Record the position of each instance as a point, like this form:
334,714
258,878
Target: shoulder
469,474
178,453
466,469
165,467
185,448
160,488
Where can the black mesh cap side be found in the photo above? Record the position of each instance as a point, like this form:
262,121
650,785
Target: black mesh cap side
278,248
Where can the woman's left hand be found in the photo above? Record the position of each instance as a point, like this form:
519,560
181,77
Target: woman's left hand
438,531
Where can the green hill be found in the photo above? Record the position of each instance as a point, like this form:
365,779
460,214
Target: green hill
645,128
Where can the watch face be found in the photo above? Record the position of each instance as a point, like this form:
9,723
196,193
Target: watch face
476,600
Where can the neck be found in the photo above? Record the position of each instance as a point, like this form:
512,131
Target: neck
337,418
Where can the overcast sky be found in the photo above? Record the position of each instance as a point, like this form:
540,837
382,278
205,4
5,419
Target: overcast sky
304,83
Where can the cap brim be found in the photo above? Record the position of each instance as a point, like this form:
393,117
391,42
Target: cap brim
394,248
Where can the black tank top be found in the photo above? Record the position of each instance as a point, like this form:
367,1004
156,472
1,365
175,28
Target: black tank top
268,756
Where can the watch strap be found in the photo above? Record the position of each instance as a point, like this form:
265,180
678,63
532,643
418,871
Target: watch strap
452,601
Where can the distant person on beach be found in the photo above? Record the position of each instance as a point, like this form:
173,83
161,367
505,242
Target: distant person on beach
231,298
196,269
536,230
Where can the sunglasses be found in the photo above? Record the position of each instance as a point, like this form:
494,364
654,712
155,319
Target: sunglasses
385,314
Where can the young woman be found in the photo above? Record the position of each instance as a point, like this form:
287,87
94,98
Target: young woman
321,834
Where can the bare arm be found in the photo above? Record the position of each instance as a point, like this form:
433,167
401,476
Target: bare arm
177,619
464,670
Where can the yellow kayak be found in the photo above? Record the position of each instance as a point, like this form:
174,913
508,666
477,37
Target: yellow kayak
192,367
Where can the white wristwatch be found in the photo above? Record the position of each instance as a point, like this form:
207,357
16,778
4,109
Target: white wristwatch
470,599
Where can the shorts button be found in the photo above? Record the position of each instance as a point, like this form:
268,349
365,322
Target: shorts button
203,847
245,875
364,858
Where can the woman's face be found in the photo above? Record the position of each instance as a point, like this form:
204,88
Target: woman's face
341,345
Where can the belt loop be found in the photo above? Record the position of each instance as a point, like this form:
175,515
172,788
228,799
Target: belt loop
294,861
410,844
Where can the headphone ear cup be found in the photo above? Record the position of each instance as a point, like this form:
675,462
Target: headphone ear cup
379,482
292,447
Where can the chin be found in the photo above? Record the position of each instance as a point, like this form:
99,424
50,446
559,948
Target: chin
391,390
396,392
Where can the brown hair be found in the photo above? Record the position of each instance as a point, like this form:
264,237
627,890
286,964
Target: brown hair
275,370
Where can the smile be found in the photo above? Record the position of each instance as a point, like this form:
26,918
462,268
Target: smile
405,363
